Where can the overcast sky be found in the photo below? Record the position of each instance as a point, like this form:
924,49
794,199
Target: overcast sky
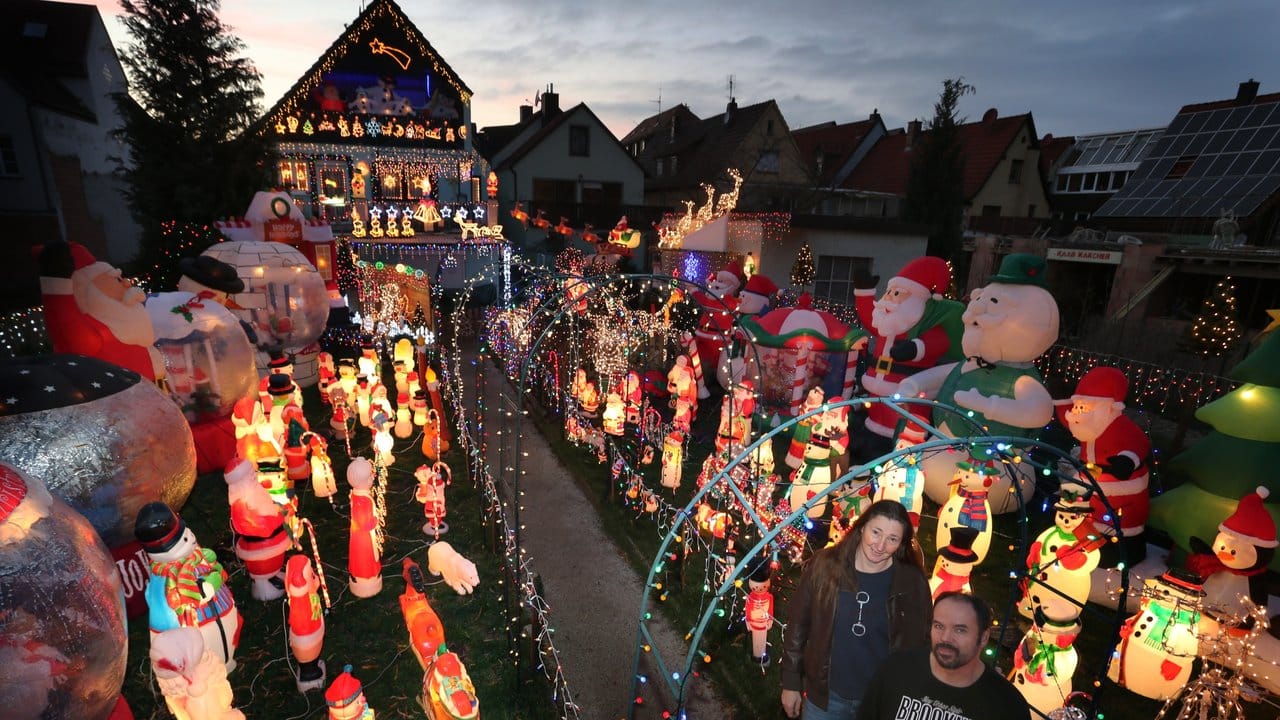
1082,66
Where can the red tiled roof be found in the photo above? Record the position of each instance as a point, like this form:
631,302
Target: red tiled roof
1219,104
832,142
1051,148
888,166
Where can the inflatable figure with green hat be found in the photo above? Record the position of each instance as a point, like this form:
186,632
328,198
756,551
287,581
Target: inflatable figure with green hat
1007,325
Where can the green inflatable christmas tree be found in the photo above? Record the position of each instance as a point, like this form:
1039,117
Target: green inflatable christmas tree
1241,453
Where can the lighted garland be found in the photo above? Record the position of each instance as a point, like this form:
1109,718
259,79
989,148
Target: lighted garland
22,332
1155,388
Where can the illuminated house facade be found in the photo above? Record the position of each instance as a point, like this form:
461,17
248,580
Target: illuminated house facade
377,127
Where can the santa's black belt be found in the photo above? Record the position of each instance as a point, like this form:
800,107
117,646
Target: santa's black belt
886,365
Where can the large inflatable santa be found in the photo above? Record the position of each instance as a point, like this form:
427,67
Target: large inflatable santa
90,309
915,328
1115,451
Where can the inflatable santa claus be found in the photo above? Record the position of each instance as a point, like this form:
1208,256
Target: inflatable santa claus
915,328
90,309
1115,451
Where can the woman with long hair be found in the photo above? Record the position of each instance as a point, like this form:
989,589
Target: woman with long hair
856,602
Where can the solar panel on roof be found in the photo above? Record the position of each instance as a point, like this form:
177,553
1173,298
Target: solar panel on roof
1203,162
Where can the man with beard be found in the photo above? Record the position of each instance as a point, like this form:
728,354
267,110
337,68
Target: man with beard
1115,450
914,329
949,681
90,309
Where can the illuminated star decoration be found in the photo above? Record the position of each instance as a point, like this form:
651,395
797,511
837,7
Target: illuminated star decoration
478,214
446,212
461,213
1275,323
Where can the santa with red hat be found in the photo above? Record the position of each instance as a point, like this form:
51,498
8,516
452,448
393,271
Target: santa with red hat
914,328
261,540
735,418
90,309
1114,450
719,311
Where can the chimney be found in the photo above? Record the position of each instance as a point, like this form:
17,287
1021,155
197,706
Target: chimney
526,112
550,103
1247,93
913,132
990,116
875,114
730,110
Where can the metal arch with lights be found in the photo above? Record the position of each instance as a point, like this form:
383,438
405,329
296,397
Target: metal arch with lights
1008,450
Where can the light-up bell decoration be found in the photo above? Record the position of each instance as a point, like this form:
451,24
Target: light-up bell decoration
1158,644
432,480
969,506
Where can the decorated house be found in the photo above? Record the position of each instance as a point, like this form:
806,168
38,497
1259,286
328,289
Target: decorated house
378,124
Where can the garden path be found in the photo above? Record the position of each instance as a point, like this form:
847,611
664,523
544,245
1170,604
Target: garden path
593,593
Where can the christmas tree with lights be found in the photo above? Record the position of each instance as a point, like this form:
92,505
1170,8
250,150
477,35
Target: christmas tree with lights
1240,454
1215,330
802,271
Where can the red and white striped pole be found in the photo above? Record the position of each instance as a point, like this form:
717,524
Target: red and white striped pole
695,362
850,373
800,379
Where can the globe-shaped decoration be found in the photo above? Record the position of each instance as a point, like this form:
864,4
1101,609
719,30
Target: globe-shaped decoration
98,436
208,360
284,298
62,619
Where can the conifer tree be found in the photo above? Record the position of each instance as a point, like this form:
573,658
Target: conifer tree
193,154
1215,330
802,272
1241,453
935,188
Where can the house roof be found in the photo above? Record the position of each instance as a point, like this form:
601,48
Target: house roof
706,148
1052,148
832,143
43,43
378,12
887,167
1214,157
684,117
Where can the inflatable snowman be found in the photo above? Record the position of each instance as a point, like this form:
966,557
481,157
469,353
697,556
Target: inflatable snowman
1007,325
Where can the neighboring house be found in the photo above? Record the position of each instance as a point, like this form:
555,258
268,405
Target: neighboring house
1002,187
379,123
831,152
681,152
841,246
1091,169
565,164
58,72
1214,158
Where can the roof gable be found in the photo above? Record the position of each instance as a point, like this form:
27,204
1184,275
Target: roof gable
887,168
683,117
578,112
44,43
381,65
825,148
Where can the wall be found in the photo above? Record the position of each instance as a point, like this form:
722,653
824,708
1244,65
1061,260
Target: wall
1013,199
889,251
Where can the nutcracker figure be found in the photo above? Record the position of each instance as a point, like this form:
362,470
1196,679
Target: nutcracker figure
364,557
759,608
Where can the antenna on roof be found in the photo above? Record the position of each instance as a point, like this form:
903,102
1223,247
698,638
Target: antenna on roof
730,88
659,100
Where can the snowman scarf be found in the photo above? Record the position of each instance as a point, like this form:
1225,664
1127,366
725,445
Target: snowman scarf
973,511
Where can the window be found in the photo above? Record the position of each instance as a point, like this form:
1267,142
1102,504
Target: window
1031,210
990,211
1090,181
833,277
391,186
768,128
673,164
1015,171
579,140
658,169
768,162
293,175
1180,167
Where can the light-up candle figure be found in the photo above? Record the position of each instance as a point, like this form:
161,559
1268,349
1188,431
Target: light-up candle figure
672,459
306,622
432,480
759,608
364,551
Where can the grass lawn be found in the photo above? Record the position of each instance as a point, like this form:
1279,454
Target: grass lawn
368,634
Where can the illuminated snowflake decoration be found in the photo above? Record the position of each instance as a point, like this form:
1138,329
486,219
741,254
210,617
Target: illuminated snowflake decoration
373,127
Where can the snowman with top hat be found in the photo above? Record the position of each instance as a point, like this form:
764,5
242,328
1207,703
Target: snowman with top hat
955,562
969,506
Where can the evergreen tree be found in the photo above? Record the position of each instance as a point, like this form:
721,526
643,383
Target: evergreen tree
802,271
193,154
935,188
1215,330
1241,453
